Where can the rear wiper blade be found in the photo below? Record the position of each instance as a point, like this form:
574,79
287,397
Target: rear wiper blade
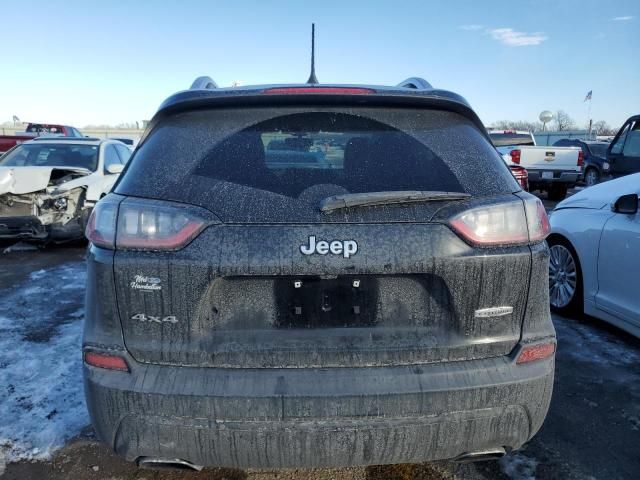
368,199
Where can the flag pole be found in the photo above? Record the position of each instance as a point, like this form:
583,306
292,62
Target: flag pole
589,114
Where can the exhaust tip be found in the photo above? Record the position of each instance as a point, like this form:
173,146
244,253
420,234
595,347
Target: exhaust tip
152,463
481,455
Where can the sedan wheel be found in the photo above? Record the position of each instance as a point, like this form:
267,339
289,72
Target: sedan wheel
591,178
563,277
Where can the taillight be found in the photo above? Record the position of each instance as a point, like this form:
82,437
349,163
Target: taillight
107,361
537,220
503,224
540,351
515,156
136,224
580,158
155,225
318,90
101,227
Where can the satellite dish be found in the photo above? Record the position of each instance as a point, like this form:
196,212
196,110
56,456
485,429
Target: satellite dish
545,116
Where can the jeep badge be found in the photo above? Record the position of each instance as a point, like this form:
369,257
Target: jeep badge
346,248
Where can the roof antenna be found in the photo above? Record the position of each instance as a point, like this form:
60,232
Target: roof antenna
312,78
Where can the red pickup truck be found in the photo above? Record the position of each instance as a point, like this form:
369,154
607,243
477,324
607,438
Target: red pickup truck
7,142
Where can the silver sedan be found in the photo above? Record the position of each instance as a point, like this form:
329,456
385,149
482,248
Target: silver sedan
595,253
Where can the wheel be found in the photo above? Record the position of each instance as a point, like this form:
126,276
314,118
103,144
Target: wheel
565,278
557,191
591,177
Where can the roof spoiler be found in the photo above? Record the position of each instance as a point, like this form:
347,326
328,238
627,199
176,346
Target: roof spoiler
416,83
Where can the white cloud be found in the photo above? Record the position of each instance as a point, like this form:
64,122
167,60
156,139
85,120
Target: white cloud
471,28
513,38
626,18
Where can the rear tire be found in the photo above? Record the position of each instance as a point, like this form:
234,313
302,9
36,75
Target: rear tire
591,177
557,191
565,278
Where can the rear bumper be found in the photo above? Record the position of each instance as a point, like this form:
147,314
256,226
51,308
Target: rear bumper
278,418
535,176
28,227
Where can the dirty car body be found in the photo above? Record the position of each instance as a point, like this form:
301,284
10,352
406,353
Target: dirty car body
49,186
386,305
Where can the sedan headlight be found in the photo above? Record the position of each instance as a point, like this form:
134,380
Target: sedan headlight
60,203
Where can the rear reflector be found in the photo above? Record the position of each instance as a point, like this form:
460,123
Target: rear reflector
109,362
532,353
318,90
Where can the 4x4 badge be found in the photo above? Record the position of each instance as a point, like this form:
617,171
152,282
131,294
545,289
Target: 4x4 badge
346,248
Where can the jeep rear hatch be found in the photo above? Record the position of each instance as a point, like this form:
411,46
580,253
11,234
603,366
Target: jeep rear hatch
272,280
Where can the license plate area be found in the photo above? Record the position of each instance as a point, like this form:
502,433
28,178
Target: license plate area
315,302
547,175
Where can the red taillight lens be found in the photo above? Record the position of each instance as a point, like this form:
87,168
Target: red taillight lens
503,224
318,90
101,227
136,224
154,225
580,158
531,353
103,360
515,156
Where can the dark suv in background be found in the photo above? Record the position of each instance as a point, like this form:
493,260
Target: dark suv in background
595,166
314,276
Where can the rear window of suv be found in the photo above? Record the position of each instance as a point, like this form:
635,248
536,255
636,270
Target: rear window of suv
276,165
291,154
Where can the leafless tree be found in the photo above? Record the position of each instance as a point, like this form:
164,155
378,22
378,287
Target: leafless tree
517,125
563,121
602,128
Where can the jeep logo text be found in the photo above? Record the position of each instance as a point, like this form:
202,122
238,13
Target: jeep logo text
346,248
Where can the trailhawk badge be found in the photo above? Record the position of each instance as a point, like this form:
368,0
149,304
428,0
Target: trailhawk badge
346,248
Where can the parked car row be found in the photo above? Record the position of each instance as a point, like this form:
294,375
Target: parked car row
556,169
322,277
550,169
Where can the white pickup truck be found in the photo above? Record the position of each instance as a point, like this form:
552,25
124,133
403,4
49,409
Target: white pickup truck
550,169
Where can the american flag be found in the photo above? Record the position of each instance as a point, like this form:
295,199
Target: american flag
588,97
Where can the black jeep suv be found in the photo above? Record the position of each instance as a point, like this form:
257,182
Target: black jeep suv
313,276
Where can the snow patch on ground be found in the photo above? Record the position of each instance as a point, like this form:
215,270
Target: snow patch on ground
20,247
41,391
517,466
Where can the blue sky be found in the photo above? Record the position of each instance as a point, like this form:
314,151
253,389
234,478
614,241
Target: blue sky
84,62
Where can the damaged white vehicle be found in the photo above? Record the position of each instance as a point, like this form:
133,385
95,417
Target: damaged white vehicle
48,186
